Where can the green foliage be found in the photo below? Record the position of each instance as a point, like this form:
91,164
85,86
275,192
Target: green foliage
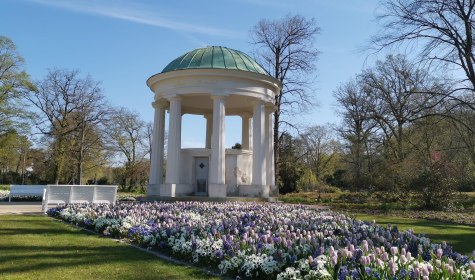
14,158
289,164
434,189
237,146
466,185
14,85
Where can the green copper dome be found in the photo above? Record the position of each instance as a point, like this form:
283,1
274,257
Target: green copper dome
215,58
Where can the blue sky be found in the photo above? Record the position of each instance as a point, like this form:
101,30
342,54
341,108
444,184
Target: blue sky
122,42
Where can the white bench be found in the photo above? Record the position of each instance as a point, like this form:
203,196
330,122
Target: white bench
25,190
64,194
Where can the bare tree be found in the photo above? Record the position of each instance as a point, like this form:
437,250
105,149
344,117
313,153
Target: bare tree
127,136
286,48
321,149
67,105
439,31
357,129
93,111
401,93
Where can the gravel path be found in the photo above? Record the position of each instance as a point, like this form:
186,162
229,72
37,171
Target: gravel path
20,208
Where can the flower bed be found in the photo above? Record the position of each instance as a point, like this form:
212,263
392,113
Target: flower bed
4,195
269,241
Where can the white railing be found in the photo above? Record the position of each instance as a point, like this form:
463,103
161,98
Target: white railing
25,190
65,194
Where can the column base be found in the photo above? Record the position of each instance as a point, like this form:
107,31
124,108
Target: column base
153,189
174,190
254,191
273,191
168,189
217,190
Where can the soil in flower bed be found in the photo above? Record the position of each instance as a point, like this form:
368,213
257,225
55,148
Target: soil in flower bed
269,241
37,247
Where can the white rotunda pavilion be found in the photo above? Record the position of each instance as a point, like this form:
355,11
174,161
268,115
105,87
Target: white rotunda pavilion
214,82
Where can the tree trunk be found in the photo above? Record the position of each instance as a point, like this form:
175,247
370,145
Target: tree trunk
79,171
276,147
80,158
58,168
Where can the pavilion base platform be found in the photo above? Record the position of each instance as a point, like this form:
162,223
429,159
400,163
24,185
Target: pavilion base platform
152,198
172,190
217,190
153,189
254,191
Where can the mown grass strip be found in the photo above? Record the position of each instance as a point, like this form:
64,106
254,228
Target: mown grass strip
461,237
38,247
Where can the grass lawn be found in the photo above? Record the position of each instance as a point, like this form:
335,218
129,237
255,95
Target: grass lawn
461,237
38,247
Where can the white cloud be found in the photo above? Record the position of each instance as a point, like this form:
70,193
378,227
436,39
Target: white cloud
133,13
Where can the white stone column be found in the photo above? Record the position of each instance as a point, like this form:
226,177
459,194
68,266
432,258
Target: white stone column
209,129
246,131
270,179
217,187
258,153
174,148
156,157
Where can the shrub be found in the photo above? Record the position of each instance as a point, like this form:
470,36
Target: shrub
466,185
433,190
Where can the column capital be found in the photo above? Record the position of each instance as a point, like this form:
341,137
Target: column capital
246,115
258,102
218,97
271,109
174,98
160,103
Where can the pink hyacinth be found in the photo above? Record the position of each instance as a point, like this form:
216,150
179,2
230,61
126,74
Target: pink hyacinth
403,259
334,260
430,268
417,272
472,266
439,253
392,267
352,248
365,247
394,250
425,271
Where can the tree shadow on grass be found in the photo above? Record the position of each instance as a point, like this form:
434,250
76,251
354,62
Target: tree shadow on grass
463,243
43,248
40,231
72,259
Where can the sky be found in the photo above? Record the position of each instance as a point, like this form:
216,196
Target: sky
121,43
